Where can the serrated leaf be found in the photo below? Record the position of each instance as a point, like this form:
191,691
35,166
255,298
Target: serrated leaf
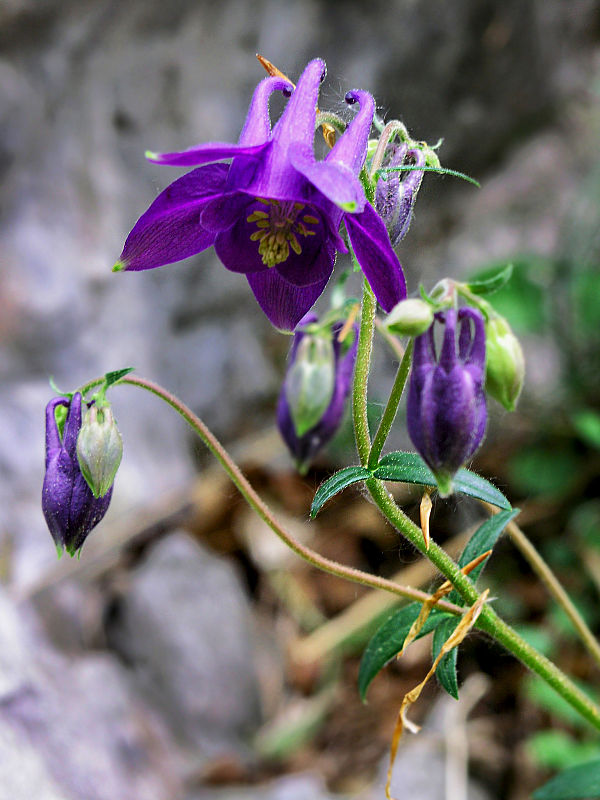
340,480
575,783
495,280
484,539
389,640
446,671
112,377
410,468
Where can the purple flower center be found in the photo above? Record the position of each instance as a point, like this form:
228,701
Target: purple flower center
279,228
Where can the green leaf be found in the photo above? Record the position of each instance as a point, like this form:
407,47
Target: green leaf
587,425
491,281
446,671
559,750
113,377
410,468
389,639
340,480
575,783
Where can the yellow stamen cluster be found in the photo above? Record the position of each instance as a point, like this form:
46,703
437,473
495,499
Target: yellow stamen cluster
277,229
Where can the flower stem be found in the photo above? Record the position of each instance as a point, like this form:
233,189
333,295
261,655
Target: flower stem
488,620
262,509
361,375
391,408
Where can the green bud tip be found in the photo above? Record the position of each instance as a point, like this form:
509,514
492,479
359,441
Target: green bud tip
119,267
151,155
350,206
445,484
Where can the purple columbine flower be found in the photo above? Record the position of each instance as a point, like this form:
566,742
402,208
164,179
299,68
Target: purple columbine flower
274,212
446,411
69,506
304,448
397,191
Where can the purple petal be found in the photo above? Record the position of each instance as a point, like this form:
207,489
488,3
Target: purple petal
474,352
53,442
284,304
72,426
170,229
297,123
224,211
239,253
335,181
314,264
257,128
351,147
205,153
370,241
448,352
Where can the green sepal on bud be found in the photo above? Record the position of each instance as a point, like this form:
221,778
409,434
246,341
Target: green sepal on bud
410,317
99,448
505,363
310,381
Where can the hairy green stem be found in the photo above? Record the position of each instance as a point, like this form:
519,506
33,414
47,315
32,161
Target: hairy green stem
391,408
361,375
488,620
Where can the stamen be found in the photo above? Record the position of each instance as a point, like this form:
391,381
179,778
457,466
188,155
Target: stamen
278,230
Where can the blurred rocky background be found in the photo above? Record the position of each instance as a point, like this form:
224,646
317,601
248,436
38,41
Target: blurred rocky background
160,666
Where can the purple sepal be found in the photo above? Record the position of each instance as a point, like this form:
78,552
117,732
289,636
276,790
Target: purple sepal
375,254
305,448
446,410
70,508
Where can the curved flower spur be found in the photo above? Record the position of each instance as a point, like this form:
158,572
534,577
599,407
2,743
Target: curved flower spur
274,212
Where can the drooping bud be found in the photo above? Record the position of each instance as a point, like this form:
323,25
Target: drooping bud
310,380
446,411
70,508
305,446
505,364
397,191
99,449
410,317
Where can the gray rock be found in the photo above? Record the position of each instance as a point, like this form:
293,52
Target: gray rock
23,773
184,626
75,724
290,787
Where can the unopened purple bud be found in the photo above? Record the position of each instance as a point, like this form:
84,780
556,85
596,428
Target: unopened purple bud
305,447
397,191
446,411
69,506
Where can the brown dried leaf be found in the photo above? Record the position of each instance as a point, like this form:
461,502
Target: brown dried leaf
462,629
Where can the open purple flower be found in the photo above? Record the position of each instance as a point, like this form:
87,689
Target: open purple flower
274,212
304,447
446,410
69,506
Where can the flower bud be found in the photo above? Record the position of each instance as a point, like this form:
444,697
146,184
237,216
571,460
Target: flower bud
397,191
99,449
446,411
410,317
505,364
310,379
305,446
70,508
